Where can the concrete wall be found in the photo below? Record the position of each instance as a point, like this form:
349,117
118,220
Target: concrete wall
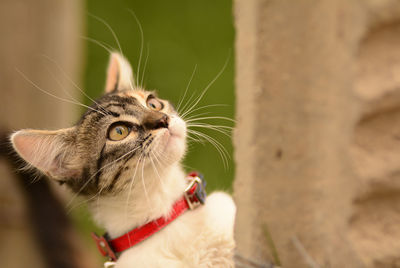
28,30
318,133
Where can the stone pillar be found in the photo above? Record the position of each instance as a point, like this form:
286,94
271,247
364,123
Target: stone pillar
318,132
30,29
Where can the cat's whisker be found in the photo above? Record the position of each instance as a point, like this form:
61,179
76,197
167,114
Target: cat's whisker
146,194
102,44
161,159
195,116
110,29
187,167
98,194
165,159
134,176
130,190
157,155
213,141
77,194
191,138
205,124
210,117
114,36
106,46
186,90
60,84
193,105
156,170
218,146
183,116
71,81
145,65
187,106
220,129
141,42
85,201
54,96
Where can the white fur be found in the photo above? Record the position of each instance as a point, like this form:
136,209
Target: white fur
199,238
202,237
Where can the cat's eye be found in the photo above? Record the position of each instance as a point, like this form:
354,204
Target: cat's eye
118,131
154,104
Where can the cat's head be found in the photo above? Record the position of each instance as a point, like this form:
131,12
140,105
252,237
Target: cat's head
125,128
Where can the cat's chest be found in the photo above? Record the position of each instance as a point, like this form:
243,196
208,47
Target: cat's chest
195,239
167,247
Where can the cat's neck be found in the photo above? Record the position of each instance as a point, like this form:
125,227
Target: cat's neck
152,196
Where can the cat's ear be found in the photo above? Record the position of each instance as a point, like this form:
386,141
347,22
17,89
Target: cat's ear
49,151
119,73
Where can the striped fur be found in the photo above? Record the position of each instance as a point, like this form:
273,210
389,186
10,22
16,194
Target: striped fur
106,164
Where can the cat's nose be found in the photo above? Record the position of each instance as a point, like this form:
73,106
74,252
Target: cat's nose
156,121
163,122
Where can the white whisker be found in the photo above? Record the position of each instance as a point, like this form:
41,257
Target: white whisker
81,203
146,194
130,191
193,105
187,87
211,117
59,83
156,170
71,81
110,29
200,108
145,65
54,96
141,43
221,129
102,44
195,116
218,146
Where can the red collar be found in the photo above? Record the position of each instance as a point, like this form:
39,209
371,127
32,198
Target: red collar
193,196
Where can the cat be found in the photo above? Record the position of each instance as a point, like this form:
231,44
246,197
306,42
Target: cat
124,155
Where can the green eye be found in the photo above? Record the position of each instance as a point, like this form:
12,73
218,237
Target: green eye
118,132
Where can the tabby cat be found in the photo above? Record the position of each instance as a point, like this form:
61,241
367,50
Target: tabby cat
124,156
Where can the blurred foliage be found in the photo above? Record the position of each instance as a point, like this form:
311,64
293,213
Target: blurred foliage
178,35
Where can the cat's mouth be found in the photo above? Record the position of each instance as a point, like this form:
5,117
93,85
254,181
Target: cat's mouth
173,137
177,127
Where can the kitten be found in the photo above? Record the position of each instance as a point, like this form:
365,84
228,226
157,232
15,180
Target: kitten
124,155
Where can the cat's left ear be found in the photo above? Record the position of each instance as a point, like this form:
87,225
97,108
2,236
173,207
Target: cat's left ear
119,74
51,152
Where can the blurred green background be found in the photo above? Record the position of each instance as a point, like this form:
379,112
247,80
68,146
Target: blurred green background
178,35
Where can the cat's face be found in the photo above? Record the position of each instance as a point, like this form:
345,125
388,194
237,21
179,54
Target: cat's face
124,132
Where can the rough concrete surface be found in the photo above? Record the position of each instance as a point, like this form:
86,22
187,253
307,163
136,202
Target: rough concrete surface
318,132
29,30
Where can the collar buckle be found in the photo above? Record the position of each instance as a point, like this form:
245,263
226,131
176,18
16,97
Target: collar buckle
104,247
195,193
